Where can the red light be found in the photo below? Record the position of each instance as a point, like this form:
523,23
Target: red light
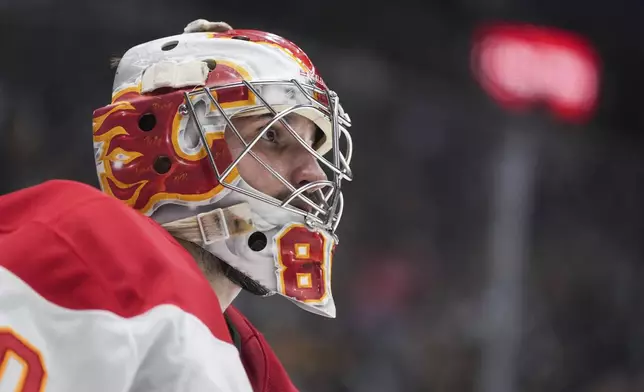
520,65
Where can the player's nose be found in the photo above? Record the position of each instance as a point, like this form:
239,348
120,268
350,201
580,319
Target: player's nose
306,170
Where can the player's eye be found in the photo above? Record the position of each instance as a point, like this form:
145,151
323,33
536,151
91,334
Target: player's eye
270,135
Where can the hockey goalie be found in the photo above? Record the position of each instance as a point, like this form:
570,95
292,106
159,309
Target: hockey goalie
220,159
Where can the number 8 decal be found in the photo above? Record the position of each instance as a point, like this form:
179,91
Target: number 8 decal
304,263
21,364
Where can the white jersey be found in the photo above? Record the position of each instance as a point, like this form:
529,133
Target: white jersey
96,297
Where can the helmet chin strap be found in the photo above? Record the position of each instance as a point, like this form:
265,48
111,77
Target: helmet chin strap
218,225
239,215
212,226
242,280
221,224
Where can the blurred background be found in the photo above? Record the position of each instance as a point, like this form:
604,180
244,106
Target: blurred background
481,250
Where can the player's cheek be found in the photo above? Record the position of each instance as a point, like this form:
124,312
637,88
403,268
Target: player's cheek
270,183
256,175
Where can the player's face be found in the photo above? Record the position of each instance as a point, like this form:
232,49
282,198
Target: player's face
279,150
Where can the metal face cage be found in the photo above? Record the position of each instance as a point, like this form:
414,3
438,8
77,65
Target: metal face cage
323,198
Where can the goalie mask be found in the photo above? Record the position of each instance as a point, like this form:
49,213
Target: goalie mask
175,95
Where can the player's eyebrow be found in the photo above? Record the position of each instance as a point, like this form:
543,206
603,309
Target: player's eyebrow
263,119
268,116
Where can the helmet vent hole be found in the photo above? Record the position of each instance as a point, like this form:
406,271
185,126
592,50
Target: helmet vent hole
147,122
162,164
212,64
169,45
241,38
257,241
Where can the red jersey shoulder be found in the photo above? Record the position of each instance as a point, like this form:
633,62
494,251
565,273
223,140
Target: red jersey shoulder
43,202
265,371
82,249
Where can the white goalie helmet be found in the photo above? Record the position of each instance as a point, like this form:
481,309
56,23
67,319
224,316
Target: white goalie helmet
174,95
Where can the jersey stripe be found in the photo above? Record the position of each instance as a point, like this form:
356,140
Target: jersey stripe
163,349
82,249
